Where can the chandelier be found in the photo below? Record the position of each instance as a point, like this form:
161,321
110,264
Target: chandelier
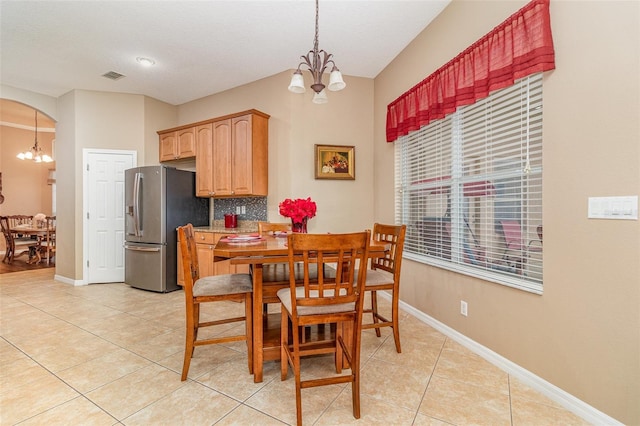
35,153
317,61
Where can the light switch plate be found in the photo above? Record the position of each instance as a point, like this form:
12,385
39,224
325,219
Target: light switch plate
625,208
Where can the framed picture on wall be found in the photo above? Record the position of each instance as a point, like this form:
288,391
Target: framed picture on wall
335,162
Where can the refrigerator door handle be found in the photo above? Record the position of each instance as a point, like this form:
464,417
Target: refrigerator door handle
136,204
138,248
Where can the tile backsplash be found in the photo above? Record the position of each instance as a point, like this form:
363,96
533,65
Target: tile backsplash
255,208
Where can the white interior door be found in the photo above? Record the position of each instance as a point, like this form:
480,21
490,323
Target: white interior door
104,214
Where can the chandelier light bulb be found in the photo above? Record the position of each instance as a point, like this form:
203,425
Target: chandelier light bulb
335,80
320,98
297,83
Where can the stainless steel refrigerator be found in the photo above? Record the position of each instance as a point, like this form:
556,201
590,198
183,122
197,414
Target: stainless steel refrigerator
158,199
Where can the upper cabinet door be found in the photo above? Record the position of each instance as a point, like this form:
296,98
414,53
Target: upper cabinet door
222,158
187,143
204,161
241,145
168,146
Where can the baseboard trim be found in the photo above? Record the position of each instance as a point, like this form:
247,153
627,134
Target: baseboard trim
69,281
566,400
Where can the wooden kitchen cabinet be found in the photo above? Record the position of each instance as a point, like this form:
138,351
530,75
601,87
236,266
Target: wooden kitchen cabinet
205,242
233,156
177,144
204,160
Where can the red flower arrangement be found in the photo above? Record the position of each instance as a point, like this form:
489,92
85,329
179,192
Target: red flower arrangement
298,209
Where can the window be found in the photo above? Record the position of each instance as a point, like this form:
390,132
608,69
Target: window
469,188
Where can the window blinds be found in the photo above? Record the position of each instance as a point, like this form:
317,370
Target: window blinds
469,187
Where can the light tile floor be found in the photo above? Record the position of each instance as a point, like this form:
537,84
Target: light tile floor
108,354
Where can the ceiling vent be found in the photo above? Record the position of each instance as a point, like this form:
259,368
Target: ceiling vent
112,75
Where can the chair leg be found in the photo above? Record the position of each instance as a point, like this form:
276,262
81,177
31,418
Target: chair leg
295,364
395,319
190,338
284,342
196,322
339,361
374,310
355,392
296,370
248,311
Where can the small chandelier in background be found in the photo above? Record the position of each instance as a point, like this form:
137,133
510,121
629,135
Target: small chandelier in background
35,153
317,61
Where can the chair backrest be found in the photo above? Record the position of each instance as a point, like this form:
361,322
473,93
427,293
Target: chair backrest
270,227
328,286
539,231
512,232
19,219
189,254
51,232
392,235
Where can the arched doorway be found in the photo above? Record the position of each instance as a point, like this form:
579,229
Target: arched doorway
27,187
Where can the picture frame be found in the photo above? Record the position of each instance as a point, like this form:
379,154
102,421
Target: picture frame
335,162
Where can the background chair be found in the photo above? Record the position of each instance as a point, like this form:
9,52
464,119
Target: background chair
324,300
216,288
384,274
19,219
48,243
538,242
16,245
276,275
516,251
271,227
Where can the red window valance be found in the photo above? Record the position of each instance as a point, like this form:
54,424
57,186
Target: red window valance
520,46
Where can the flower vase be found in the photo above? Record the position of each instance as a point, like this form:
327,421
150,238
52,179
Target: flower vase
299,227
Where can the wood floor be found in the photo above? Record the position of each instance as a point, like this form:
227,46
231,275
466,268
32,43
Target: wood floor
21,264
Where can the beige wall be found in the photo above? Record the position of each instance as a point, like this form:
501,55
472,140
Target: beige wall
88,120
583,333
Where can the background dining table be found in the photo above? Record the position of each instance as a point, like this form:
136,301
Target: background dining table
29,229
268,249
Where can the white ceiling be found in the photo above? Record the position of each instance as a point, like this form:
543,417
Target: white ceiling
200,47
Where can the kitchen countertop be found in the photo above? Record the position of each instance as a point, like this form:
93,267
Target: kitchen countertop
244,226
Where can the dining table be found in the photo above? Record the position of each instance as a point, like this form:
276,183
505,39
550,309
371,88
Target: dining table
257,253
29,229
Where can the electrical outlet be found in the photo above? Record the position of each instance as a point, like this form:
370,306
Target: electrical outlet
238,209
244,209
463,308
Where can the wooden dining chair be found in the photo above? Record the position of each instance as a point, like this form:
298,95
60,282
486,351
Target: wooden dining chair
48,242
19,219
384,275
274,275
215,288
266,228
16,245
328,299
